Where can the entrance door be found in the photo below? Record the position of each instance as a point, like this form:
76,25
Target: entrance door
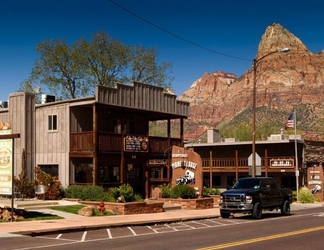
135,178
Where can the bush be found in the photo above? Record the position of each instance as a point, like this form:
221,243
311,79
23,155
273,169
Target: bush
305,195
138,197
85,193
165,190
92,193
211,191
53,191
183,191
294,195
52,184
126,192
73,191
25,187
113,194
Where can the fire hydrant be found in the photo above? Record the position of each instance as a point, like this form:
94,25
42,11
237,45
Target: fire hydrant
101,207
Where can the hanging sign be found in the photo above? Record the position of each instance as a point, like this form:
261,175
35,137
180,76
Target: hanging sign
5,164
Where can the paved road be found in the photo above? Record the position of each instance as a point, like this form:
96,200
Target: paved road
304,228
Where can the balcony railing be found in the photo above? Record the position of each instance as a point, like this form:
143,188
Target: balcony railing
218,164
108,142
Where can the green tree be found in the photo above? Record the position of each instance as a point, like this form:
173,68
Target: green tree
74,71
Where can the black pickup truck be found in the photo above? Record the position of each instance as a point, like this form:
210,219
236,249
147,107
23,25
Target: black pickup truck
251,195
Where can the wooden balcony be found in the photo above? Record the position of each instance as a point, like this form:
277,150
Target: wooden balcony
108,142
240,165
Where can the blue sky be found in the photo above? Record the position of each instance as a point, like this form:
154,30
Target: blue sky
195,36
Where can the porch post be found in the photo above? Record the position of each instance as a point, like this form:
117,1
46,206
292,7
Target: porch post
210,167
122,160
266,161
236,164
169,145
95,145
181,132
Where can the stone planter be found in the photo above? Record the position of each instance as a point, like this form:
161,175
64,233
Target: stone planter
191,204
122,208
215,197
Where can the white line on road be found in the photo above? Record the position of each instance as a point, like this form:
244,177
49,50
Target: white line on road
83,236
152,229
133,232
109,233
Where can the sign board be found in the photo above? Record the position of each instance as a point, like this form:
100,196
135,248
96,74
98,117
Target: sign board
136,143
257,160
6,164
282,163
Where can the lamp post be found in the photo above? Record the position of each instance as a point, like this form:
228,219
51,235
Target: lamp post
255,63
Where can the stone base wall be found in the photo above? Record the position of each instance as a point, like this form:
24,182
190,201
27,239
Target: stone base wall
191,204
129,207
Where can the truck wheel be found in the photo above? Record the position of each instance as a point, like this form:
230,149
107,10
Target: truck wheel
225,215
285,209
257,211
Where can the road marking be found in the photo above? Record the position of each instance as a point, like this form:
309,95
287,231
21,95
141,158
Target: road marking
271,237
152,229
199,223
109,234
133,232
168,226
59,236
84,236
186,225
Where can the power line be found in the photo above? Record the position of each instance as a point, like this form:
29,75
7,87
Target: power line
176,36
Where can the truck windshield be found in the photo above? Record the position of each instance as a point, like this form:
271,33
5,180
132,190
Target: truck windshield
247,184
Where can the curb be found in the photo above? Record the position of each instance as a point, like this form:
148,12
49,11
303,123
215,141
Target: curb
111,225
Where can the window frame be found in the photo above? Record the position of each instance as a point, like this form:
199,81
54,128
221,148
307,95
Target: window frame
52,122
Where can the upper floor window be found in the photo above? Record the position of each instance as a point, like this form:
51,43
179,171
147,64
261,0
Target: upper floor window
129,127
52,122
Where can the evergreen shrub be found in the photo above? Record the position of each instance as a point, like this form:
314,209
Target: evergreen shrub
305,195
211,191
183,191
165,190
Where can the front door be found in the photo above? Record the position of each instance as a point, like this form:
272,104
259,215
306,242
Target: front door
135,177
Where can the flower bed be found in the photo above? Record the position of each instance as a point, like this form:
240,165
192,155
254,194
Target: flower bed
199,203
122,208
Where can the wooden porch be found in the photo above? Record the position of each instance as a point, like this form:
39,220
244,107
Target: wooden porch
109,142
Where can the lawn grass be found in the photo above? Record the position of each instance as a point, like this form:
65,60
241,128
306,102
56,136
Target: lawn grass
34,215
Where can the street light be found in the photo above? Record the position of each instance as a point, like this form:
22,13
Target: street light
255,63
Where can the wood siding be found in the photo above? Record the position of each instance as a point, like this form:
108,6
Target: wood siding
53,145
142,96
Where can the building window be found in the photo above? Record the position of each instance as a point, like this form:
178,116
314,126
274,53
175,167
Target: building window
84,173
52,122
50,169
108,173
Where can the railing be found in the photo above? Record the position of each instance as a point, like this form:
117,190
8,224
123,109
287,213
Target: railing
114,142
81,141
230,163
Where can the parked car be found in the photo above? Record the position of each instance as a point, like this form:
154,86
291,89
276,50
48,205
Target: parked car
251,195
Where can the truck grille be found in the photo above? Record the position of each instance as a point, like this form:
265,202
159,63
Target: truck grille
234,198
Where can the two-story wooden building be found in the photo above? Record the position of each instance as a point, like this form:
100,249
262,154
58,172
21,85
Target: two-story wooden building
102,139
226,161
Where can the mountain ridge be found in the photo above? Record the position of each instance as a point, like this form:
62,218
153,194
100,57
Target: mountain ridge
284,81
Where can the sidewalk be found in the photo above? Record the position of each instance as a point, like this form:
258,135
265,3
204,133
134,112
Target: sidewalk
77,222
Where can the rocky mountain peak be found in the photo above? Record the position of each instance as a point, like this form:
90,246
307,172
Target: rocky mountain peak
276,37
284,81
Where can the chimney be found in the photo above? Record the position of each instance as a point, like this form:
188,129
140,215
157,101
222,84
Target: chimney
213,135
